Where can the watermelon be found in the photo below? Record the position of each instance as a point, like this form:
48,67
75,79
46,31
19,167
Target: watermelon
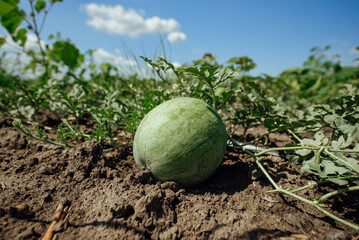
181,140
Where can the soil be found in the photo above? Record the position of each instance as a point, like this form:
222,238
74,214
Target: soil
110,198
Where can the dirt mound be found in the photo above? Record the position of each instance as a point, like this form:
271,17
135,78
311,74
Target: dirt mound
110,198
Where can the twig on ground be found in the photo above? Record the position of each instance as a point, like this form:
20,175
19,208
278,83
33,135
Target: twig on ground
60,214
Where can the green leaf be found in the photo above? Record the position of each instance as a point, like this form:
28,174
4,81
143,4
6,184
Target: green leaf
338,181
2,41
39,5
6,7
353,162
351,130
313,49
268,123
12,20
341,143
310,142
330,168
310,166
303,152
337,144
66,52
319,137
12,2
21,36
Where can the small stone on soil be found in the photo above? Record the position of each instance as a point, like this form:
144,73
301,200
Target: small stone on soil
45,170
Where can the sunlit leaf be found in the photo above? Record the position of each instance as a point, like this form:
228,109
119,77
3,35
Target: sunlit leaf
40,5
7,6
66,52
338,181
2,41
303,152
12,20
21,36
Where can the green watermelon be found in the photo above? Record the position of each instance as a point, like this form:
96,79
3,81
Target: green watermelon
181,140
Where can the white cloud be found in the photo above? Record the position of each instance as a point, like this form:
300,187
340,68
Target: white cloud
117,20
176,37
101,56
125,65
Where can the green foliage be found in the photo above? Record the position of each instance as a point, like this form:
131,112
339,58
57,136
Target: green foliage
11,16
2,41
21,36
66,131
328,161
242,64
40,5
7,6
65,52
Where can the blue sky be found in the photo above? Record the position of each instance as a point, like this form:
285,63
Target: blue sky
277,35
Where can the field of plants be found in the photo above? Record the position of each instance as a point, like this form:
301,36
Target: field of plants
290,171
